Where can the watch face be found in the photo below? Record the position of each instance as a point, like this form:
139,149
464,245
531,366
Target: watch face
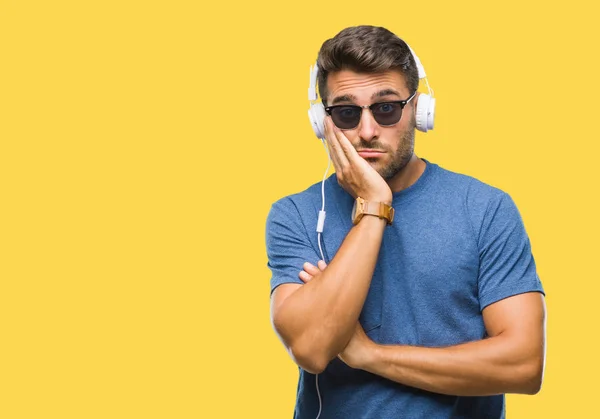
354,211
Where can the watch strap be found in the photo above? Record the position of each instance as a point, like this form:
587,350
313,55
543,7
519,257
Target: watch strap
378,209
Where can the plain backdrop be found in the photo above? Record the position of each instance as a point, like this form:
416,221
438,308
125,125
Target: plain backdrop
142,144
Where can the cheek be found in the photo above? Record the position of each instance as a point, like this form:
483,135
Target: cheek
393,140
352,135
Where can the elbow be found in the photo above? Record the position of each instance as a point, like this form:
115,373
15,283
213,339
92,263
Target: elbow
303,349
309,359
534,384
532,387
307,355
531,382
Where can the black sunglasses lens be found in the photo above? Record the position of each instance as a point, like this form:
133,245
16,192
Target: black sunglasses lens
346,117
387,113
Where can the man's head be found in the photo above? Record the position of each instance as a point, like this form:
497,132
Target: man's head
365,49
364,65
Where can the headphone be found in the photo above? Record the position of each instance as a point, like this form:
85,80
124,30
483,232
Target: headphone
423,116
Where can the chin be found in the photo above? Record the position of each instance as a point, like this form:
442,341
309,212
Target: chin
379,166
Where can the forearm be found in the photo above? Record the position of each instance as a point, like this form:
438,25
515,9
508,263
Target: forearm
491,366
318,319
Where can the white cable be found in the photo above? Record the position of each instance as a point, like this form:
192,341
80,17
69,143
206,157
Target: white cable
321,221
320,248
318,394
429,88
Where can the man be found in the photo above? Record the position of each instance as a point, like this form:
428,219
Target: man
434,313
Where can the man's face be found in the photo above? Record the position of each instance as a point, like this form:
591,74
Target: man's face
387,148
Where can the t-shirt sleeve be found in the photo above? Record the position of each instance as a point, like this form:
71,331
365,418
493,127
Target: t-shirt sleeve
288,247
507,266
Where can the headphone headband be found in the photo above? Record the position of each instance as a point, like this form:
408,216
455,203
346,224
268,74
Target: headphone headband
420,68
312,89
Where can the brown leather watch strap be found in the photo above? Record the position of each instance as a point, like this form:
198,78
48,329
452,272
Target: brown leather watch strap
380,210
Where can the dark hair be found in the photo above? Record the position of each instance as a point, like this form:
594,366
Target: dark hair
366,49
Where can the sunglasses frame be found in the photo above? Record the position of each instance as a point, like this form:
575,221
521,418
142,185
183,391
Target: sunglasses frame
402,103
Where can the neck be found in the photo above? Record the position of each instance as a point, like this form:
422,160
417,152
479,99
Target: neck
408,174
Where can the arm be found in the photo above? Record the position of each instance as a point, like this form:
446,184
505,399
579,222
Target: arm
511,360
316,321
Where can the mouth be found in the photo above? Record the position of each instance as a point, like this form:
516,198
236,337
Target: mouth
370,153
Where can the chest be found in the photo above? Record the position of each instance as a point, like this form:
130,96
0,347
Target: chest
424,289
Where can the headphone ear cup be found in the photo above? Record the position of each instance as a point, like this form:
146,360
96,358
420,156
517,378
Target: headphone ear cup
316,115
425,112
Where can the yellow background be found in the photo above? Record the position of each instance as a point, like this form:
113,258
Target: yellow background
143,142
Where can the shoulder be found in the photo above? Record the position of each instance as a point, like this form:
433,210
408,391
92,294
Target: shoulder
301,202
476,193
482,202
297,206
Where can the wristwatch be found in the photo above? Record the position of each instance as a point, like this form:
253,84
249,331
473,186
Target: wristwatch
379,209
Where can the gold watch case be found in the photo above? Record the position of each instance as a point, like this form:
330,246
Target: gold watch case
378,209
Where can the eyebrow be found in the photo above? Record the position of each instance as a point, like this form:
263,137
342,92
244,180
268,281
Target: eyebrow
352,98
385,92
343,98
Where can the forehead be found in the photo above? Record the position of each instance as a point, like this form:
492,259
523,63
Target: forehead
364,85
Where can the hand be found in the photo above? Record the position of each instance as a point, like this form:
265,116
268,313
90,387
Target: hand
359,349
310,271
353,172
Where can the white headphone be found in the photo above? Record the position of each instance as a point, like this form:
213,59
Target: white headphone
425,103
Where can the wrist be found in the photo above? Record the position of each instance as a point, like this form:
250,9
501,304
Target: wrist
372,220
372,357
386,199
363,207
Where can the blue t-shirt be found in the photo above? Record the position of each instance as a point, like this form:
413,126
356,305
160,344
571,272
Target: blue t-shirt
456,245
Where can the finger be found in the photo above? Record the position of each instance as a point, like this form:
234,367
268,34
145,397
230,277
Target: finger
322,265
345,145
304,276
331,146
334,134
335,149
357,164
310,269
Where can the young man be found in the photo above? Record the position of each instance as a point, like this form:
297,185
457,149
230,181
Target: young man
429,305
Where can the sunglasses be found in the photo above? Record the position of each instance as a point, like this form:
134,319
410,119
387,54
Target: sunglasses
385,114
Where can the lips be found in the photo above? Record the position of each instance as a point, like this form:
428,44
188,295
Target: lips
370,153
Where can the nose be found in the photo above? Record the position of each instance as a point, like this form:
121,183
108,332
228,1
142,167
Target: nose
368,128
